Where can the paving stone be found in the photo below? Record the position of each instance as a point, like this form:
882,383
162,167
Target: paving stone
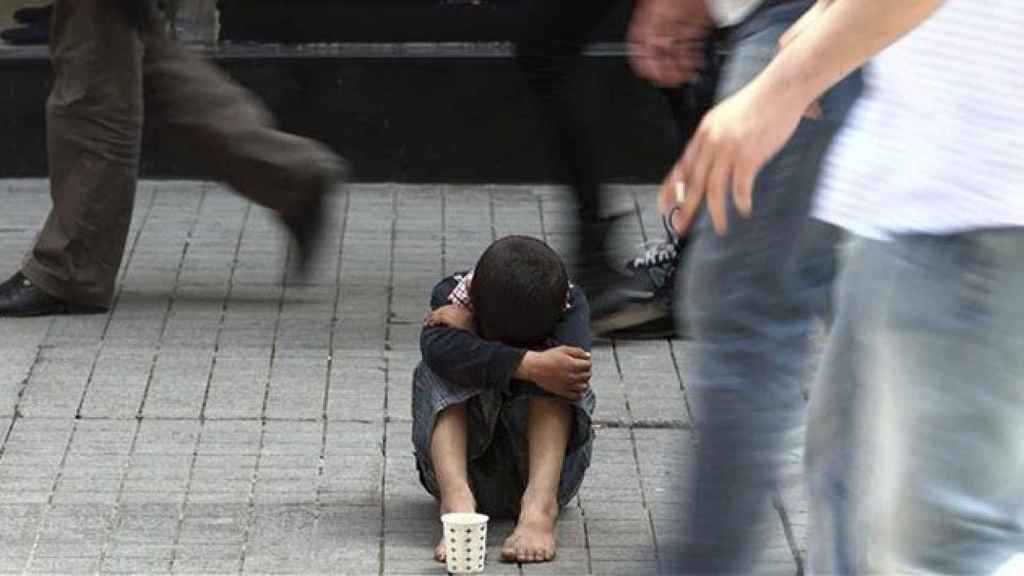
88,565
130,565
219,421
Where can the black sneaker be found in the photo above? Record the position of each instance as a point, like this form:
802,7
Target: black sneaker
643,308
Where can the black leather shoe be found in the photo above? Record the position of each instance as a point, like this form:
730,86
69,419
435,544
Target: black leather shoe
20,298
307,222
33,14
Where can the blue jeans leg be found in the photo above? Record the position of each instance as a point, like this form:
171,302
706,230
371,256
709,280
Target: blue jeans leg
934,355
750,302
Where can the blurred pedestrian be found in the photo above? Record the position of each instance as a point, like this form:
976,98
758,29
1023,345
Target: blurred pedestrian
549,53
749,300
921,385
111,59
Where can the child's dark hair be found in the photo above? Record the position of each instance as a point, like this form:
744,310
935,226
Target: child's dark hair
519,291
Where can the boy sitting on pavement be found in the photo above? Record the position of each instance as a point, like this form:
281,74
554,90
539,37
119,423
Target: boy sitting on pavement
502,401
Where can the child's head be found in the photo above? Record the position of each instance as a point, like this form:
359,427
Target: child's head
519,291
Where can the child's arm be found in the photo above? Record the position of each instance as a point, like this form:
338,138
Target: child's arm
465,359
564,369
462,357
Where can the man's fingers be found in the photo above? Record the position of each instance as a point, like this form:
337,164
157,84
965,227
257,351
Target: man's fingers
743,188
717,191
672,189
695,167
688,211
641,60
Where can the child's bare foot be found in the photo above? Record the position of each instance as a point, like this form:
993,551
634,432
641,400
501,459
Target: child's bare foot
459,501
533,540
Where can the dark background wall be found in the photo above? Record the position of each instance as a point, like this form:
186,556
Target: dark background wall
387,20
409,90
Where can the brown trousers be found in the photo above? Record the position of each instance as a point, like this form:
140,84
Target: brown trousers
105,71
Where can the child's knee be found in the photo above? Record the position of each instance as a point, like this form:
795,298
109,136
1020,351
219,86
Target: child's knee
454,412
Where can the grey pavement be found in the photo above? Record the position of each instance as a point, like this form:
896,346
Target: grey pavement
223,418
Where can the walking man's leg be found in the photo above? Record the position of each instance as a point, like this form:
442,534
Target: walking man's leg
231,132
944,358
549,54
751,323
94,126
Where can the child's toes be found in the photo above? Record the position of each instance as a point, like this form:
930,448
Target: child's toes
440,554
509,552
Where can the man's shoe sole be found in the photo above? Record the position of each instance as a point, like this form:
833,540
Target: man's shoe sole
630,316
56,310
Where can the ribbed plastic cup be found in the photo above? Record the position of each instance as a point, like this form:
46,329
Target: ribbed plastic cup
465,542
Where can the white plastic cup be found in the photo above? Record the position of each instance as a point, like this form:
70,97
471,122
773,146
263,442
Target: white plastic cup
465,542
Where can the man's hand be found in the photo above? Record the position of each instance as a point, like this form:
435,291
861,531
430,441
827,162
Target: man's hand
453,315
666,40
562,371
733,142
740,135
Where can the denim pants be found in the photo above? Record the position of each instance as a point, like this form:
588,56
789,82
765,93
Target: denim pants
750,303
928,343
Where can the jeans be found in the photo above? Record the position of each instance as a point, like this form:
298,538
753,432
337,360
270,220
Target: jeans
928,349
751,298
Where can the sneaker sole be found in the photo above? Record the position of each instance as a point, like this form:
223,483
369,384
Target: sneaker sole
643,332
61,310
629,317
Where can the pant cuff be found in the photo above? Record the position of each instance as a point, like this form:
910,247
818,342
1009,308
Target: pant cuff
47,282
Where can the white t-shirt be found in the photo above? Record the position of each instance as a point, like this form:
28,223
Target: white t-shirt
730,12
936,144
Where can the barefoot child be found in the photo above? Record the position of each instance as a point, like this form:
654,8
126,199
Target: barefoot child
502,399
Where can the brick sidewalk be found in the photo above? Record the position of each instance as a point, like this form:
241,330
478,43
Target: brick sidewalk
219,420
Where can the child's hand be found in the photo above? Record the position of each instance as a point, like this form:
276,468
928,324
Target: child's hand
562,371
453,315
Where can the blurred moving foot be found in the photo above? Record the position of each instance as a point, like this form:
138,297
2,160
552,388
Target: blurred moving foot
308,221
642,307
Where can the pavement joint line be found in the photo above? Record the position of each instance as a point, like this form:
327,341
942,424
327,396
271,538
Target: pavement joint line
382,562
682,383
185,501
44,517
325,406
171,296
579,502
251,504
787,529
114,515
225,305
115,511
600,423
